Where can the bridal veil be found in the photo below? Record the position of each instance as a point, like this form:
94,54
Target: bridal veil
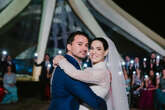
117,98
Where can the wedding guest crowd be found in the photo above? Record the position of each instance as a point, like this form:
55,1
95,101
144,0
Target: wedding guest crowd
145,79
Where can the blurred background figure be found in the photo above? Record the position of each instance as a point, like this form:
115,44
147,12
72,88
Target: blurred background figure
162,63
9,84
159,100
2,61
136,86
146,100
5,62
151,64
45,76
2,93
128,85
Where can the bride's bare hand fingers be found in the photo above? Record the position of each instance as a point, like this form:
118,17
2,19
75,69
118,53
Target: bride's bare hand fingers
57,59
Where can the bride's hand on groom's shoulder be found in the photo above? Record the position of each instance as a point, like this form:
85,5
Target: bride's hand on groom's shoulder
57,59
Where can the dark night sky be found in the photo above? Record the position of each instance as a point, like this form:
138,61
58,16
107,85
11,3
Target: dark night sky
150,13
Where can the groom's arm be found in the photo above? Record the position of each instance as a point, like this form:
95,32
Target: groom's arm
82,91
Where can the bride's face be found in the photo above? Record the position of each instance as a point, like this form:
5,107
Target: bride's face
97,52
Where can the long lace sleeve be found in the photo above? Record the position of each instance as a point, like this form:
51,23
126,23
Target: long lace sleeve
89,75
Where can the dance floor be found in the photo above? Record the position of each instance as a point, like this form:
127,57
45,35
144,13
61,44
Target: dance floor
30,104
29,98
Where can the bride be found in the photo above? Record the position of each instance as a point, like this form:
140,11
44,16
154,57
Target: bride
99,75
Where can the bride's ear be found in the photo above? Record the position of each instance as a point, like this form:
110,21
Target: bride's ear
106,53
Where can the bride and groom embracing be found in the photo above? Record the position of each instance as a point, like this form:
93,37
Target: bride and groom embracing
96,87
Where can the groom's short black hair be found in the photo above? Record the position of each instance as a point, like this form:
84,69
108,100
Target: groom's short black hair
72,36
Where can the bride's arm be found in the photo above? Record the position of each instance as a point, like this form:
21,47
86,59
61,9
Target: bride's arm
89,75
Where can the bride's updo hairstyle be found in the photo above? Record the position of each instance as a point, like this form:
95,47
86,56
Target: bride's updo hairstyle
103,41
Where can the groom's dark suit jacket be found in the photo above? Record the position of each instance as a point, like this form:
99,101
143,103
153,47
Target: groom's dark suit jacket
66,92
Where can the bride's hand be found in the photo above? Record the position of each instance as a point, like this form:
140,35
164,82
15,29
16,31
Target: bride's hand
57,59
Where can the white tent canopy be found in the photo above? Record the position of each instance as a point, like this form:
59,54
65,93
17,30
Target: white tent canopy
107,8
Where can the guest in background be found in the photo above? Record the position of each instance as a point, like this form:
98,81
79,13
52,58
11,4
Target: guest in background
144,66
158,64
152,76
128,85
136,64
136,87
2,92
162,63
9,84
8,62
152,62
2,64
45,76
146,100
127,65
160,92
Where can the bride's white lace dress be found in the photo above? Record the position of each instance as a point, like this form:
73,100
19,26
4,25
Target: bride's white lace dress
98,76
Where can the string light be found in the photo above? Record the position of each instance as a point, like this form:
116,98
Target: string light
145,59
85,65
36,54
59,52
49,65
146,76
4,52
132,61
158,57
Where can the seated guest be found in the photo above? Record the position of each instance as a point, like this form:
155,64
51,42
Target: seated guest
9,81
2,93
160,92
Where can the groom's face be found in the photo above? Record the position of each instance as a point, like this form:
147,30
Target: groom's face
79,47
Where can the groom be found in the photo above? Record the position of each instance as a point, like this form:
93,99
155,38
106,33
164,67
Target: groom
67,92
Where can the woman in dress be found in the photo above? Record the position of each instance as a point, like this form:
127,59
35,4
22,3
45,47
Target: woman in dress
146,100
9,81
159,100
136,87
99,75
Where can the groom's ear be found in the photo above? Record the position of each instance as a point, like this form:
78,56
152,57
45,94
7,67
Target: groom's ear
68,47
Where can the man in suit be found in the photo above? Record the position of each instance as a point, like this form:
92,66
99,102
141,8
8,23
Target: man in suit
67,92
151,64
